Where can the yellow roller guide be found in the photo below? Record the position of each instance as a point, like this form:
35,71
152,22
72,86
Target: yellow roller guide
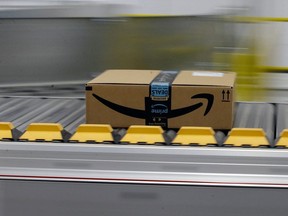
254,137
144,134
93,132
6,130
43,131
283,140
197,135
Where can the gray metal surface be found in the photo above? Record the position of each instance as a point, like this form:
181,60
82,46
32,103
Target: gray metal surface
282,118
256,115
144,164
69,198
22,111
68,89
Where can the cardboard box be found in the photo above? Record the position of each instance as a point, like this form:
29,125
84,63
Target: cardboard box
167,98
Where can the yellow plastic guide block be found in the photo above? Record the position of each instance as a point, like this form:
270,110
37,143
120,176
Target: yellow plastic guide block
43,131
259,19
6,130
283,140
197,135
144,134
93,132
254,137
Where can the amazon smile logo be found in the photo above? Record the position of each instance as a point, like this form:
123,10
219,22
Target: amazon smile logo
159,109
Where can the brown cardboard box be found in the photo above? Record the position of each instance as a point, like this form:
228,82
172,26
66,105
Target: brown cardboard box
167,98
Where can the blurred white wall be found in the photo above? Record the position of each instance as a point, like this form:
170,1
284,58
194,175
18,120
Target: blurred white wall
187,7
273,36
155,7
270,8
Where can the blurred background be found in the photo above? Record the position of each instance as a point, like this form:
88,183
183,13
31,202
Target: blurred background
63,43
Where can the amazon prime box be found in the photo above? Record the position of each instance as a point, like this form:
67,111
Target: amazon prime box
171,99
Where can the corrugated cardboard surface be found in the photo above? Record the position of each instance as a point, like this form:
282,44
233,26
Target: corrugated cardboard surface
126,77
129,88
131,96
220,115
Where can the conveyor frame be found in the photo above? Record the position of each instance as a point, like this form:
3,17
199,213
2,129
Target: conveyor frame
74,179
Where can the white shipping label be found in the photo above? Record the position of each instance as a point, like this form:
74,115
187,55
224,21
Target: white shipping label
207,74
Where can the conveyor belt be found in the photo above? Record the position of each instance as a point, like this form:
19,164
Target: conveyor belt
63,89
282,118
70,113
55,178
256,115
22,111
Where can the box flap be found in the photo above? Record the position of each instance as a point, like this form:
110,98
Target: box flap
205,78
125,77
